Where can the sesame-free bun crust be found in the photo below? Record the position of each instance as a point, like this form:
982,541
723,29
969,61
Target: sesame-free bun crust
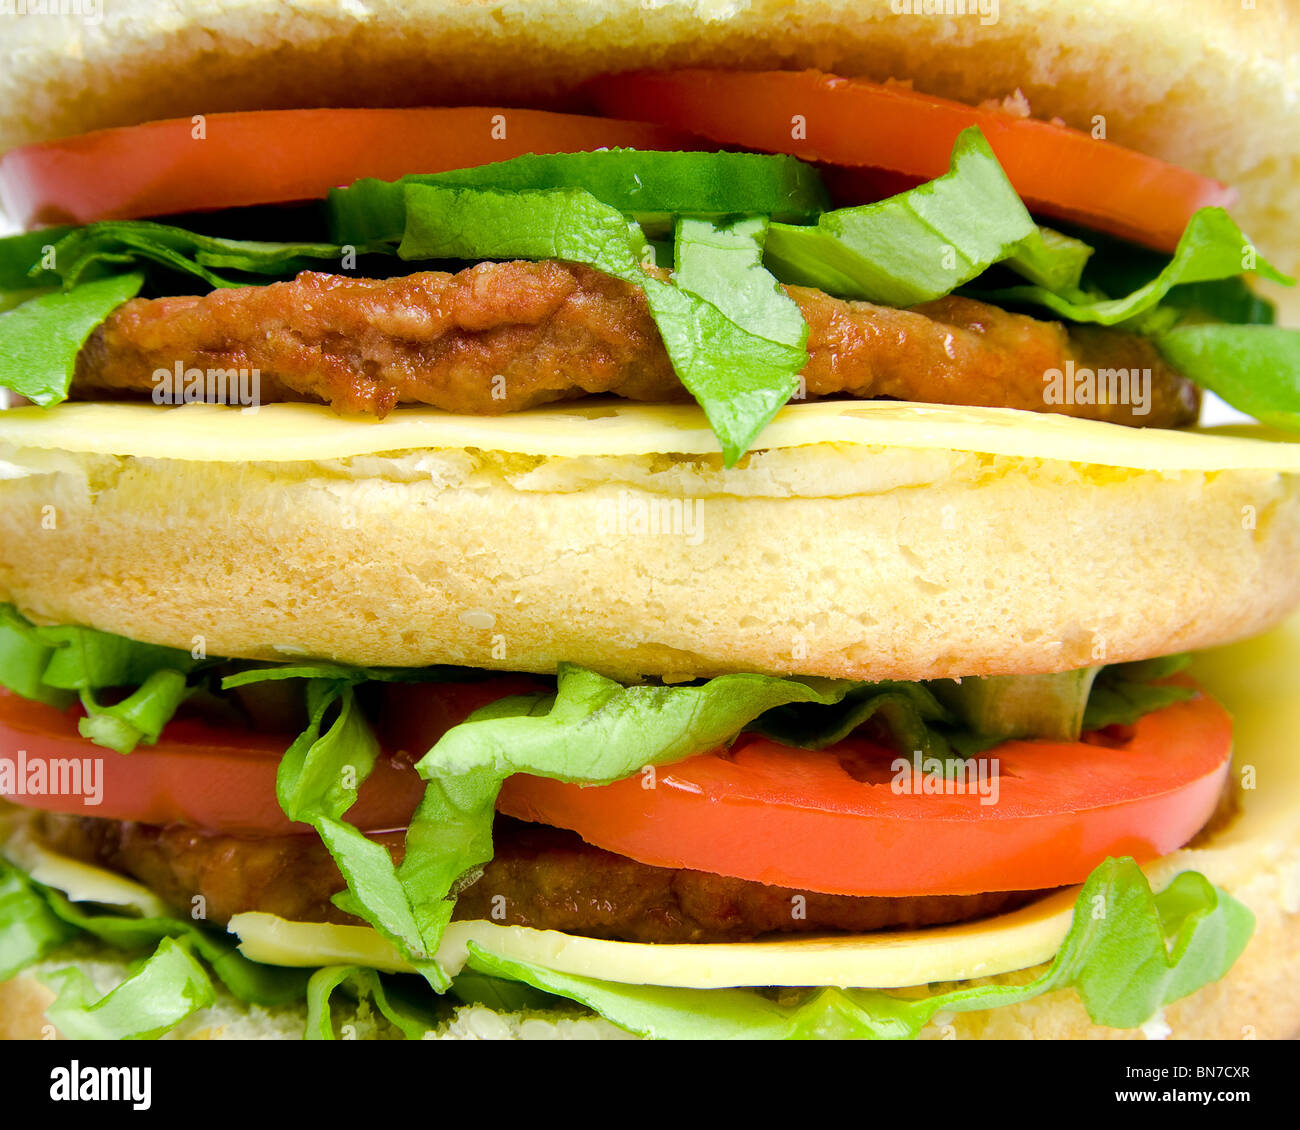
824,559
1209,84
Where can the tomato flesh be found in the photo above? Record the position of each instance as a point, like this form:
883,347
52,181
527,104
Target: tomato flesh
833,821
282,156
216,778
1058,171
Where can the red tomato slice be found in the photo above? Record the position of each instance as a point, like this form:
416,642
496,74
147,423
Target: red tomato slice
833,821
281,156
220,779
1057,171
223,779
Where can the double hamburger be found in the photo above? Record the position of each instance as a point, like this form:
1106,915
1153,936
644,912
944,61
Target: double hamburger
659,542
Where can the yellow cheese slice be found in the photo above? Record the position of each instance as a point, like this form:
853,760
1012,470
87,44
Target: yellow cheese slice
292,432
1256,680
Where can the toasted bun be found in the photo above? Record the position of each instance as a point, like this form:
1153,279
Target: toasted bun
1209,84
826,559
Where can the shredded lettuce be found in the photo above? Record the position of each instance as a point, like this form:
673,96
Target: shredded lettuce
168,987
48,664
1127,954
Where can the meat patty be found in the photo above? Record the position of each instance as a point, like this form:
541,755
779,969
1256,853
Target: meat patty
542,877
499,337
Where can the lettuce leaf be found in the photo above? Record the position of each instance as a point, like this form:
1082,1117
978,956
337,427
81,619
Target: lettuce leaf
1212,248
29,929
1124,692
359,982
168,987
316,783
48,664
35,920
112,246
740,374
1127,954
1254,368
651,187
910,715
40,339
592,730
1051,259
920,244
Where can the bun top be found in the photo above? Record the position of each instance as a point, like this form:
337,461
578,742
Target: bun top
1213,85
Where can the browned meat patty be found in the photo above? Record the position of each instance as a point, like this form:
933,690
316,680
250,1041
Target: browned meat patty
498,337
542,877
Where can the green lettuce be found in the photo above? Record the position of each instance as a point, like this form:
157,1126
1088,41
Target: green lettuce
1254,368
411,1020
1212,249
1127,954
920,244
740,374
168,987
49,664
648,186
1124,692
909,714
36,920
40,339
76,256
29,929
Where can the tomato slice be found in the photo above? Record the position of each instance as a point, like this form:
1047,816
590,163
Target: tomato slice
834,821
825,821
217,778
223,779
282,156
1058,171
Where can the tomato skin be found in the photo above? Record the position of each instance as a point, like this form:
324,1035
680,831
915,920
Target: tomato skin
1058,171
797,818
157,784
823,821
280,156
223,779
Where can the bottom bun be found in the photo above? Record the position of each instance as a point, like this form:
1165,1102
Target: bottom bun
1258,999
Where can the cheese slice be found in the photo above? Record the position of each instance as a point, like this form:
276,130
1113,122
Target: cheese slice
1256,680
81,882
305,432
